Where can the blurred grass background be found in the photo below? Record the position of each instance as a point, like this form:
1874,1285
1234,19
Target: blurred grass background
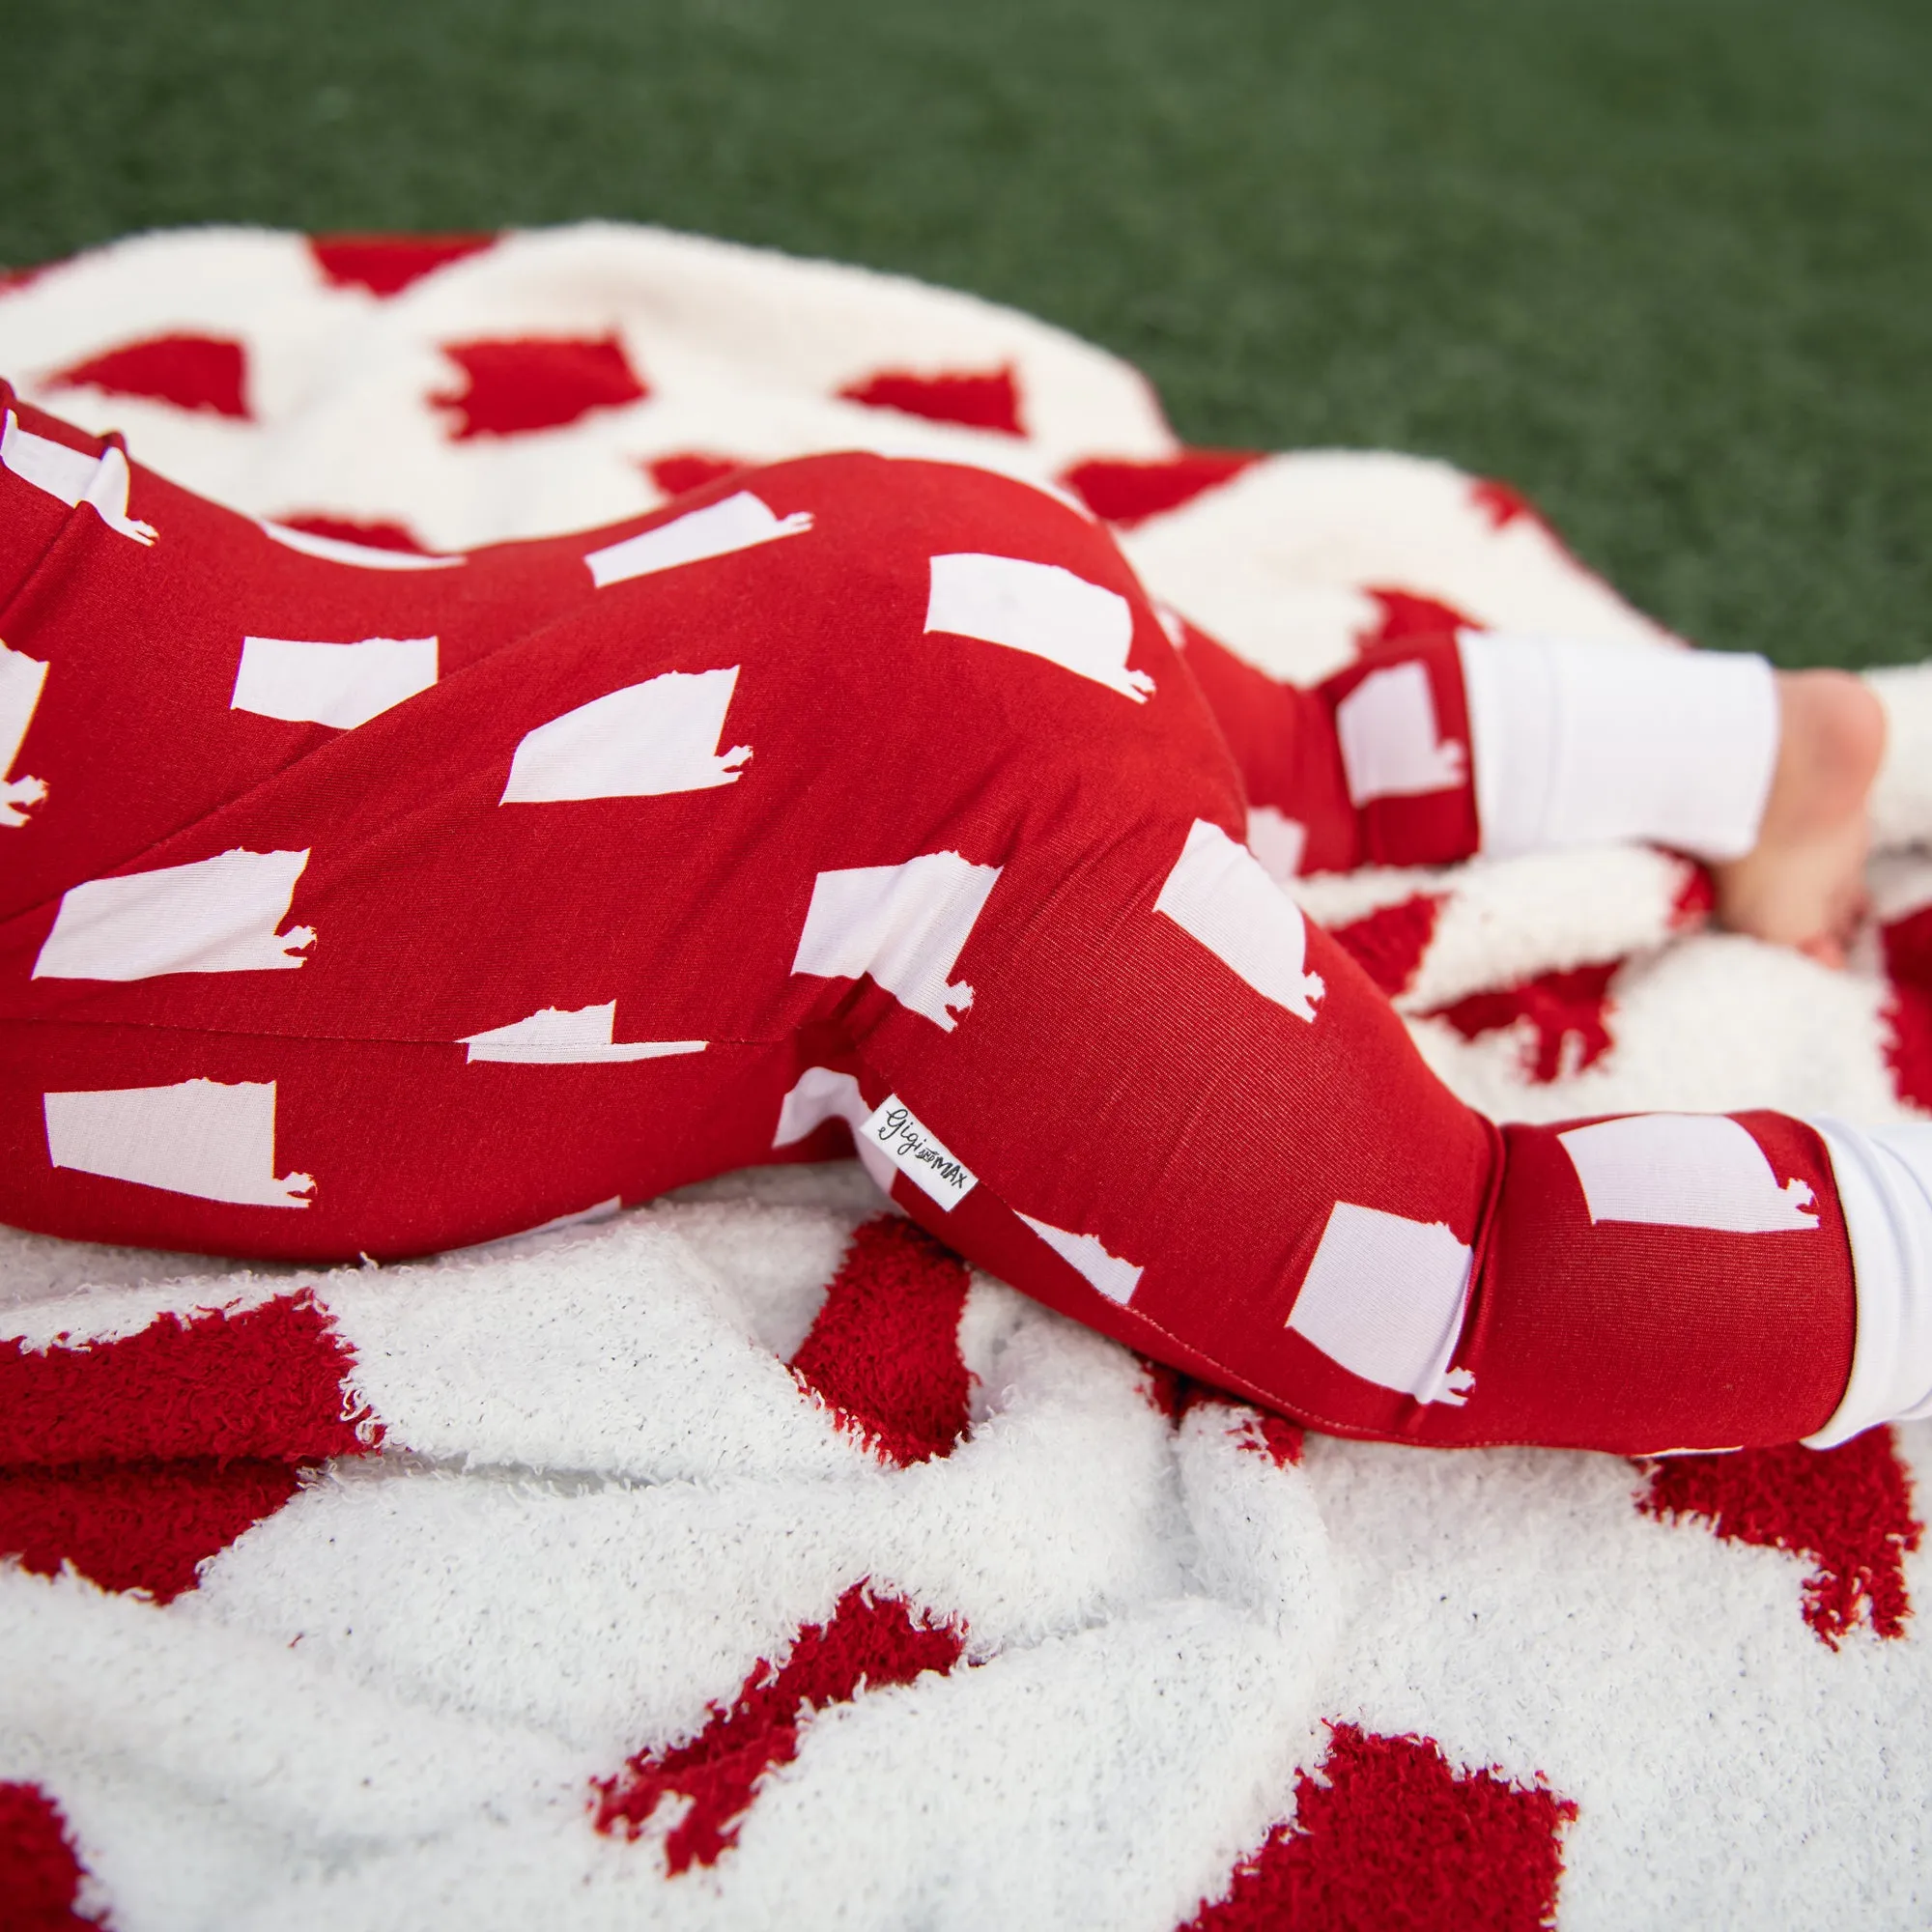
1663,264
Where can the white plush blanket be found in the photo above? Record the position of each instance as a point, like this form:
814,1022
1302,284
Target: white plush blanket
740,1560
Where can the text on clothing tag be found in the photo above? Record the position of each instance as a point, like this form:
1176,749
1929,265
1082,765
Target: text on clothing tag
917,1155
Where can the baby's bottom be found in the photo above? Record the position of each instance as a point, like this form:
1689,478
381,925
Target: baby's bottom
846,797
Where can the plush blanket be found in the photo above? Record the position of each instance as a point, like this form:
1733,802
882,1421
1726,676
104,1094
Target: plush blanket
745,1560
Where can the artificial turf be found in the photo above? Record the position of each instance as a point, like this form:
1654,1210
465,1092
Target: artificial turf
1663,264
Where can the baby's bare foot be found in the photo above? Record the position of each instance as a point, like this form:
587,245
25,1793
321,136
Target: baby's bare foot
1803,884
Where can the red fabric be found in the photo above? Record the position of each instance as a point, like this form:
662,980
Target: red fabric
979,398
868,1641
192,372
1174,1098
884,1352
1849,1509
1388,943
1908,959
1697,898
1285,742
689,469
529,382
270,1381
1276,1438
1503,506
1127,493
378,533
40,1876
1403,614
137,1525
1569,1015
1174,1395
387,264
1388,1837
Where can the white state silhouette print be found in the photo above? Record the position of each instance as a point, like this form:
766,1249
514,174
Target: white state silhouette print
820,1094
1277,840
1385,1296
641,742
20,680
904,926
582,1036
1115,1278
215,915
366,556
343,685
1685,1171
203,1138
1041,609
1218,894
1391,747
737,523
100,482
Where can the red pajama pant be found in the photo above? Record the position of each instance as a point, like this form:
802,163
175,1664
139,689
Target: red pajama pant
349,909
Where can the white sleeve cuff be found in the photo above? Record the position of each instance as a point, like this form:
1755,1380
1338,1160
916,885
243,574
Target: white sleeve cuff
1884,1190
1588,743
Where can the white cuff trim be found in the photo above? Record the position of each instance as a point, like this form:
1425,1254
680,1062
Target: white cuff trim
1884,1189
1586,744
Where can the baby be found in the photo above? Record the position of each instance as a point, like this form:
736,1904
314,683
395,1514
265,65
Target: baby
858,802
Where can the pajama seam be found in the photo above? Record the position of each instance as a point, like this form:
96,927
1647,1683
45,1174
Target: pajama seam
40,564
174,1026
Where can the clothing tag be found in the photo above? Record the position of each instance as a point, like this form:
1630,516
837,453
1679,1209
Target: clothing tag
917,1155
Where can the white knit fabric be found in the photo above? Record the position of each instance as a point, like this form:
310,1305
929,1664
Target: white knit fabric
1576,745
1885,1188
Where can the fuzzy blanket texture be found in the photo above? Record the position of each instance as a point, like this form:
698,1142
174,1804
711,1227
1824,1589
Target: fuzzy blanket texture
744,1559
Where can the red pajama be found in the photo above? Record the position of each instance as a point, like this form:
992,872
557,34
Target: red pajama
349,909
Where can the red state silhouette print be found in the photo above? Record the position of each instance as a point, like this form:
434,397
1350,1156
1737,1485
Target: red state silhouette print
386,265
372,532
1503,506
519,385
1129,493
978,398
868,1640
1849,1509
1174,1395
137,1458
271,1381
209,373
145,1526
1402,614
883,1351
1389,942
1389,1837
40,1876
1568,1012
1908,1014
689,469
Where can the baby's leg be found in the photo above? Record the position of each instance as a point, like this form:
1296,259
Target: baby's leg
1102,1056
1434,748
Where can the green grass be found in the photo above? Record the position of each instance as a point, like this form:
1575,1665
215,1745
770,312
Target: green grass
1664,263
